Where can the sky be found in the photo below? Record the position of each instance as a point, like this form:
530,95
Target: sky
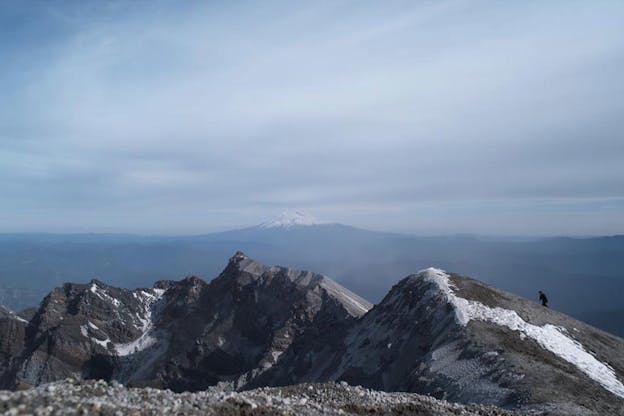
429,117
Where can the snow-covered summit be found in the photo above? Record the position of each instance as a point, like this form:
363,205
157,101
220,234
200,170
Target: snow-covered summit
290,219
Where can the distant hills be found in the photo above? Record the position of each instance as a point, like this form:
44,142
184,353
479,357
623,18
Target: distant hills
583,277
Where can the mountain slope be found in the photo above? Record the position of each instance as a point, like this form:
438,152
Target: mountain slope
76,330
461,340
12,337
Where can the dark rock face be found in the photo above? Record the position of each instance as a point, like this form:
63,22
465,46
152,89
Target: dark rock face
76,329
12,337
441,334
186,335
237,327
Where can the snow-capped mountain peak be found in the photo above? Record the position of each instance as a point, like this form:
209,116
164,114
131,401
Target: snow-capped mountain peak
290,219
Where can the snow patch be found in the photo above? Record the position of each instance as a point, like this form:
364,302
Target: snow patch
103,343
548,336
143,342
101,293
291,219
84,330
147,338
353,303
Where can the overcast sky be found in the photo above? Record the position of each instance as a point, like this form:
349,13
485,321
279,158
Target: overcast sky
432,117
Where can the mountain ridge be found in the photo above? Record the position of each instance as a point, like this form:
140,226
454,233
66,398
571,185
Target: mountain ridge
582,276
255,325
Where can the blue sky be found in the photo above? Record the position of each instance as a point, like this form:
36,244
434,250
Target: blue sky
429,117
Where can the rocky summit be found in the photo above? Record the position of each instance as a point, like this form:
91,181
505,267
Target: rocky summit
436,334
184,335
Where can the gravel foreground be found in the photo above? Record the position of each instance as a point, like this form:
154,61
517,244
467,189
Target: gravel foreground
71,397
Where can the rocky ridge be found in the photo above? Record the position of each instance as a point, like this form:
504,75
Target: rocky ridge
435,333
184,335
460,340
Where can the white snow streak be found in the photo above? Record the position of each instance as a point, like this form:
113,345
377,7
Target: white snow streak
145,340
548,336
291,219
103,343
358,305
100,293
355,302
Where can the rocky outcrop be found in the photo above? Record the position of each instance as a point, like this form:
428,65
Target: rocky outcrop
12,337
237,327
77,331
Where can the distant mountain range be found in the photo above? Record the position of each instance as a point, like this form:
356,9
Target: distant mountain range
583,277
255,325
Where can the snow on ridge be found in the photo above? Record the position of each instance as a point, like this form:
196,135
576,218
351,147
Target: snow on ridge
101,293
17,317
291,219
549,336
359,305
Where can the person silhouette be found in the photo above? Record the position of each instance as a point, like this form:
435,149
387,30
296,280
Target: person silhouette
543,298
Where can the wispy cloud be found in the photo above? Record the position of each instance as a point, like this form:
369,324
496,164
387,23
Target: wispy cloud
170,117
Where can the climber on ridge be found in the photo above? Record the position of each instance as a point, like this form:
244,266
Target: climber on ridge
543,298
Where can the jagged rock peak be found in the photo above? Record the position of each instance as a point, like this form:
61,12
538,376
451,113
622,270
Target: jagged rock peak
192,280
246,270
245,266
237,257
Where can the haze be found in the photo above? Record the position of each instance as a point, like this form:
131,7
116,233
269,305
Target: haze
426,117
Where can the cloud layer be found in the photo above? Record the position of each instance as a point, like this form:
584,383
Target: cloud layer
430,117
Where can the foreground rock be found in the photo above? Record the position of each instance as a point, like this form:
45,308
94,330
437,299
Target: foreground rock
100,398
